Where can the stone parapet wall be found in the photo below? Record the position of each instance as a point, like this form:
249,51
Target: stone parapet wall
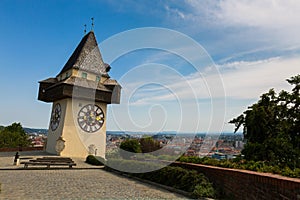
248,185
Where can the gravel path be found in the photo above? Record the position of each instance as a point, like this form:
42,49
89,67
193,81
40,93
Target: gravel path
75,184
78,183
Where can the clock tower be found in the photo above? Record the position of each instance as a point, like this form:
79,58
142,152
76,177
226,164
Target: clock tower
80,94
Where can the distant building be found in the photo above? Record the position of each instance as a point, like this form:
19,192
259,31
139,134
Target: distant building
219,156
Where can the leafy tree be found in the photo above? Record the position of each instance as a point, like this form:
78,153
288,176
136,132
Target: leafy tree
130,145
143,145
272,127
13,136
148,144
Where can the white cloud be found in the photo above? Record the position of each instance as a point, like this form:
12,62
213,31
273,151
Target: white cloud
250,13
241,80
260,13
175,12
251,79
254,40
243,25
227,26
187,100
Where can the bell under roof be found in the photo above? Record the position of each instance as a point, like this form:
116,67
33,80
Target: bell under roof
87,57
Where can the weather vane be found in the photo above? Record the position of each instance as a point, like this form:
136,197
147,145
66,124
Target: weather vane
92,28
85,29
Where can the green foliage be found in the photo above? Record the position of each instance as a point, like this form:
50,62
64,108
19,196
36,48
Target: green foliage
13,136
90,159
271,127
146,156
143,145
204,190
190,159
239,163
184,179
130,145
112,154
166,157
188,180
148,144
291,173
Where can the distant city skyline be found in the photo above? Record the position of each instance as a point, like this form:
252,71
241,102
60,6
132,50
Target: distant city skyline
254,45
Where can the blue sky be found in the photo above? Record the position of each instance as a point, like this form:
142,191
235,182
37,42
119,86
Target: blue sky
254,44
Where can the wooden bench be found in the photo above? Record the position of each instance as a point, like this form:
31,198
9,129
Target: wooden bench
48,164
52,160
48,161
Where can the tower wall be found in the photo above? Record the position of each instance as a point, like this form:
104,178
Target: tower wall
78,143
54,135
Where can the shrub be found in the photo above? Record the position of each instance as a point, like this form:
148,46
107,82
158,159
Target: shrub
129,145
211,161
190,159
90,159
297,172
113,154
166,157
204,190
239,163
148,144
288,172
225,164
177,177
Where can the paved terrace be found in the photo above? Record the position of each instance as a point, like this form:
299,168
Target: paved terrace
82,182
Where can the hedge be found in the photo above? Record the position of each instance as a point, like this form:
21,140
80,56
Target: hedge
238,163
187,180
90,159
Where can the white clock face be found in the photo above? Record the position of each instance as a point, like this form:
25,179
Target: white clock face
55,117
90,118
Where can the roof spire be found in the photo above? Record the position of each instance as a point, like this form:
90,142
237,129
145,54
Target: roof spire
92,28
84,29
86,56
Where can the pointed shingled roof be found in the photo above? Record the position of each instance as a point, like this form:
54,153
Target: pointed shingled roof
86,57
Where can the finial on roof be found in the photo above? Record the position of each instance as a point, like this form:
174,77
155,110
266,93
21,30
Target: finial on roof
92,28
84,29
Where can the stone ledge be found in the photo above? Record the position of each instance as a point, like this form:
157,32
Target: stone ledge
270,175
